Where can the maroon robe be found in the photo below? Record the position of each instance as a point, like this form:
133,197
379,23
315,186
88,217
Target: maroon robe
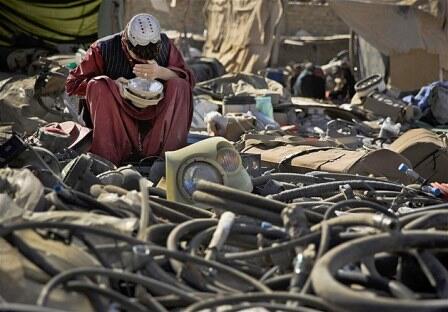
116,133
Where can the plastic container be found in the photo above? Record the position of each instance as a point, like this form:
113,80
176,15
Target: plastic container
389,129
239,104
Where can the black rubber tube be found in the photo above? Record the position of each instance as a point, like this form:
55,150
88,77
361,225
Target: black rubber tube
344,298
280,247
147,282
156,250
380,222
325,188
189,210
306,300
157,233
124,301
167,213
429,219
341,176
78,198
356,203
181,256
38,259
18,307
240,196
237,207
289,178
270,307
186,228
252,200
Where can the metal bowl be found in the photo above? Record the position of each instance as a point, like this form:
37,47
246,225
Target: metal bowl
145,88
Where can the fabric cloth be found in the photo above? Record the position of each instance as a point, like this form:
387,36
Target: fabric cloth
432,100
240,34
310,84
116,59
119,128
422,98
243,84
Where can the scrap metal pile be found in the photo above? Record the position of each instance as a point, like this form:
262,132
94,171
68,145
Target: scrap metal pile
347,219
312,242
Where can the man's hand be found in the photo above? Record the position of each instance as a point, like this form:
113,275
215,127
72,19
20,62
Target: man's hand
147,71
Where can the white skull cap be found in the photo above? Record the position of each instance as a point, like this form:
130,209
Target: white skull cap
143,29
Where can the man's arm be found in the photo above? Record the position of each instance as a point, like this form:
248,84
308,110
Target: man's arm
176,68
152,70
92,65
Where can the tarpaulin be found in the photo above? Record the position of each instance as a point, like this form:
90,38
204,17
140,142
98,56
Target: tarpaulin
240,34
51,20
395,26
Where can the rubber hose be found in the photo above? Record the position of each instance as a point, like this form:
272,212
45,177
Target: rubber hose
183,229
240,196
307,300
342,176
356,203
147,282
428,220
32,255
358,219
237,207
81,199
250,199
204,236
295,178
189,210
312,238
342,297
270,307
124,301
182,256
18,307
168,213
155,271
157,191
324,188
157,233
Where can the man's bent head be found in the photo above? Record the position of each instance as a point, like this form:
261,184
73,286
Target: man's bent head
143,37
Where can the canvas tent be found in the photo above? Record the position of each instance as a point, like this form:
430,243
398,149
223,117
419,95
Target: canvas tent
56,21
408,31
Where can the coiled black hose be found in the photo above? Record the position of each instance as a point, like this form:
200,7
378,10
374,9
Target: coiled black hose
152,284
252,200
155,250
312,238
73,197
356,203
186,228
237,207
124,301
325,188
165,212
189,210
303,300
295,178
341,176
343,298
428,220
18,307
157,233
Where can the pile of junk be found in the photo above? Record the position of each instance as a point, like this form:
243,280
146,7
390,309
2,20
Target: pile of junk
278,203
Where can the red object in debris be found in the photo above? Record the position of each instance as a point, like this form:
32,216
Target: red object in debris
116,132
76,132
